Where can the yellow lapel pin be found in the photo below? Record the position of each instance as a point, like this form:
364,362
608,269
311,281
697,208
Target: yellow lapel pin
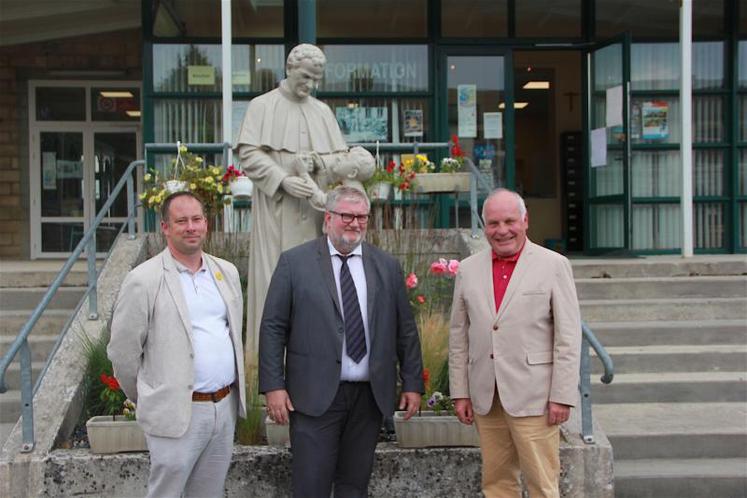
218,275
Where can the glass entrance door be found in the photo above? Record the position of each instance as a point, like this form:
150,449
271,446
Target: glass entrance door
609,204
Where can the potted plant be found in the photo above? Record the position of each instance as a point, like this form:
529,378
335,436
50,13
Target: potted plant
436,427
450,177
238,183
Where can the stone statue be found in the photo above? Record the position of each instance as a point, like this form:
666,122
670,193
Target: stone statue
291,147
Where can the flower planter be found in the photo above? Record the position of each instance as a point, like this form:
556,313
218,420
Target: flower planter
174,186
429,430
241,187
442,182
115,436
379,192
277,435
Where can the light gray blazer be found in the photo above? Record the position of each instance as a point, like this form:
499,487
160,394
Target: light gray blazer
151,341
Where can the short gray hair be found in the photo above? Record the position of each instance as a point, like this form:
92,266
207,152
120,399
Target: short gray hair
345,192
522,206
305,51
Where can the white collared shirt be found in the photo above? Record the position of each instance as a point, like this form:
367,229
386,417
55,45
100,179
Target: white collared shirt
352,371
214,364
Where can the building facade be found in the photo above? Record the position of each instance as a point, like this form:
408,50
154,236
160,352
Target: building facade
574,103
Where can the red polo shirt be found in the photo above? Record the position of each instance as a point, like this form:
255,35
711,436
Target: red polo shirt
503,268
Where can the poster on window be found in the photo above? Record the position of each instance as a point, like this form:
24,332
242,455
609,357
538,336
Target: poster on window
49,170
363,124
467,111
413,126
654,119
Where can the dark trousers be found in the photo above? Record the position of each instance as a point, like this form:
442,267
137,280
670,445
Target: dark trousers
336,448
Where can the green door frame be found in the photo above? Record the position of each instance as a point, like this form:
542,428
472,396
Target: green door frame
442,52
626,197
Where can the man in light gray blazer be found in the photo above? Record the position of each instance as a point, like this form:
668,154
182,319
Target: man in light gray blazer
336,324
177,353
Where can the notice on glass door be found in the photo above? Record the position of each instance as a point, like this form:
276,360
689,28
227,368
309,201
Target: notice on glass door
49,170
492,125
614,107
598,147
467,111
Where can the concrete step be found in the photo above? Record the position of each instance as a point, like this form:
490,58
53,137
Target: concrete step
50,323
10,406
699,358
40,345
671,387
633,310
27,298
691,332
660,266
13,374
681,478
41,273
675,430
661,287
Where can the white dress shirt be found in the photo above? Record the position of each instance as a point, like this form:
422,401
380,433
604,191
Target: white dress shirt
214,364
352,371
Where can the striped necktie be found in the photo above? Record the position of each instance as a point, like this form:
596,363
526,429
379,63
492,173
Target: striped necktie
355,336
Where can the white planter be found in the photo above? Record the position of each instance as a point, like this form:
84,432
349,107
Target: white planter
241,188
174,186
379,192
442,182
277,435
429,430
115,436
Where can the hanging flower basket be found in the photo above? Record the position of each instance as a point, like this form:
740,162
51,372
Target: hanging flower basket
115,436
174,186
442,182
241,187
379,192
430,430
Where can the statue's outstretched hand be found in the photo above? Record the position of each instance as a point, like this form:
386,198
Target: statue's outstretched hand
297,187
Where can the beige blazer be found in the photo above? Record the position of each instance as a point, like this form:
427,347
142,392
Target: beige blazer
151,341
529,348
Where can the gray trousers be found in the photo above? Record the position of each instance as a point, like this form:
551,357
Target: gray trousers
195,464
336,449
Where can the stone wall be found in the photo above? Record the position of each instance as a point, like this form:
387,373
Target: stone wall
69,58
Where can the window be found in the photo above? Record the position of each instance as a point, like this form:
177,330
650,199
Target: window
543,19
658,19
372,19
474,18
189,18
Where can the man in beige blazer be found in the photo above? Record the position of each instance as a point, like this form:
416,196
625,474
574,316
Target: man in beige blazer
177,353
514,351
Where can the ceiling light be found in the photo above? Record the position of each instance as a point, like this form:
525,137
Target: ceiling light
536,85
517,105
117,94
133,114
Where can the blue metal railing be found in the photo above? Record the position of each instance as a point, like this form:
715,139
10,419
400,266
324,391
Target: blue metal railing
20,345
590,340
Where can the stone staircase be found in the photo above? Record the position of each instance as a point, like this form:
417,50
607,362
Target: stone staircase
676,412
22,286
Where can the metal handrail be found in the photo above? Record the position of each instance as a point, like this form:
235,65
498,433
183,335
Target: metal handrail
590,340
20,344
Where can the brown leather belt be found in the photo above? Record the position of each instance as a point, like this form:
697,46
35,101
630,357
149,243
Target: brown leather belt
214,397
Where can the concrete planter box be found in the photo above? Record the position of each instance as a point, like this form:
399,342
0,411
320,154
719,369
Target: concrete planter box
277,435
442,182
115,436
431,430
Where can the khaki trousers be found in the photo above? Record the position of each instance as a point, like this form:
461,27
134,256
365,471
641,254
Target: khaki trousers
511,445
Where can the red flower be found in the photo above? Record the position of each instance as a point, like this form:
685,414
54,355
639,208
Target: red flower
426,377
420,298
390,166
404,185
110,381
456,149
411,281
439,267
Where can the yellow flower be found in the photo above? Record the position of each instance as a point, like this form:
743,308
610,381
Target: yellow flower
422,157
192,186
218,275
219,187
182,149
199,159
147,177
143,196
209,179
215,170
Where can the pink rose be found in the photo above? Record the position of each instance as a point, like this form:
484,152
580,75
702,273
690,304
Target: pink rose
453,266
421,299
411,281
439,267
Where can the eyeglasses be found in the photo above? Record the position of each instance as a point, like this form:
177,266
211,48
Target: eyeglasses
348,218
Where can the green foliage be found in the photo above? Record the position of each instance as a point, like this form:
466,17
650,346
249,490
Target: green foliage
97,362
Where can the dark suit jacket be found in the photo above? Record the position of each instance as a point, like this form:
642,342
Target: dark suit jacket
301,335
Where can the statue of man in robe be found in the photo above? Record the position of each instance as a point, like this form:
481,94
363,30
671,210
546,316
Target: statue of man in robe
286,131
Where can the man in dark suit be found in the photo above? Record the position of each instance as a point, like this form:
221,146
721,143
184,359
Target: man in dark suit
336,322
